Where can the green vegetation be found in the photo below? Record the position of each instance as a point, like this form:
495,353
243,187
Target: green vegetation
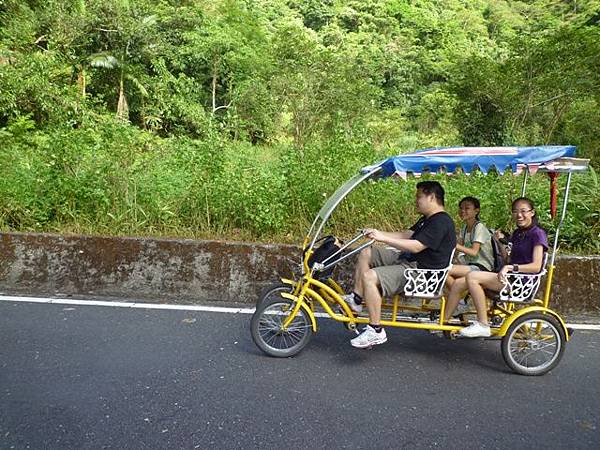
236,118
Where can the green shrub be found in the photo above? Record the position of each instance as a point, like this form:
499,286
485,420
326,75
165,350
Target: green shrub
110,178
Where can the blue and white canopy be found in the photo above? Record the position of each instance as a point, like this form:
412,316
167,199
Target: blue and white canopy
468,159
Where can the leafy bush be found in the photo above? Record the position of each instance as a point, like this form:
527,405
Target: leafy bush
110,178
221,119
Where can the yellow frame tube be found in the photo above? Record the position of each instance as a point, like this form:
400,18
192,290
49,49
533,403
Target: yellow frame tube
308,254
331,291
548,289
291,282
299,304
335,286
334,296
442,309
306,291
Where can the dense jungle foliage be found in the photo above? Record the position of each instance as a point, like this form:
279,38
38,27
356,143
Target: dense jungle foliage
236,118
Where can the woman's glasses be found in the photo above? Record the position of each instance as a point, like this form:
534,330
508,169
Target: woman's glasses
521,211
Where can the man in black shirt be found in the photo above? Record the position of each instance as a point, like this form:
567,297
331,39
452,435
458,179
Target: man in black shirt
427,245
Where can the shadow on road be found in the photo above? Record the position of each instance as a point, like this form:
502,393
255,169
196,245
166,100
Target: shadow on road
416,347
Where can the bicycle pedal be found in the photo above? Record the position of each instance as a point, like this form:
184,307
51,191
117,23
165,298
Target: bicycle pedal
351,326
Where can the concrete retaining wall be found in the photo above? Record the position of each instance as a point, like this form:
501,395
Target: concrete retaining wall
190,271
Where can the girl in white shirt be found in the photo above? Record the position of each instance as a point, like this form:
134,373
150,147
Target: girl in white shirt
475,252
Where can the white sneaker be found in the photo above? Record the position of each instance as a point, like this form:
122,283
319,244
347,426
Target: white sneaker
476,329
369,337
349,299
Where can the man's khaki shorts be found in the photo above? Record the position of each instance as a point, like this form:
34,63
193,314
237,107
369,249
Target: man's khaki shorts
389,265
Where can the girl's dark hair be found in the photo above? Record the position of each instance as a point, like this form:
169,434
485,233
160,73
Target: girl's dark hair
534,219
472,200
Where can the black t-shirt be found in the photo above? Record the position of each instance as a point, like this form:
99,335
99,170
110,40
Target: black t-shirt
437,233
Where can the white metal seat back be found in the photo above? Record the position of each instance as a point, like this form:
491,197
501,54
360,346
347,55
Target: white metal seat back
426,283
522,287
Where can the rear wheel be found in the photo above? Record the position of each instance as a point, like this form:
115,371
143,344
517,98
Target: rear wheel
267,330
533,344
274,291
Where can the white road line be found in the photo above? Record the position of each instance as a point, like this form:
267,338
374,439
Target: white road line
219,309
62,301
583,326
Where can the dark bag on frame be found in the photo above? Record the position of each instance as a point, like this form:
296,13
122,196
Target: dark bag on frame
324,248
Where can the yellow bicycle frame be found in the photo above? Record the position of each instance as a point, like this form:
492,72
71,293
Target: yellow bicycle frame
309,290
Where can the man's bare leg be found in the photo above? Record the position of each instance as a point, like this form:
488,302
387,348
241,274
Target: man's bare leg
370,283
363,265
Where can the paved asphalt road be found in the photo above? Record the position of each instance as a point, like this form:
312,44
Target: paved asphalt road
81,377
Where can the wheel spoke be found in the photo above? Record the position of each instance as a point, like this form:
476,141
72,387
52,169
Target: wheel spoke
270,336
295,336
534,345
276,321
269,324
298,328
270,327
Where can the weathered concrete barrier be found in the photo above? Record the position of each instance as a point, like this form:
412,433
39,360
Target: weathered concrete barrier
190,271
155,270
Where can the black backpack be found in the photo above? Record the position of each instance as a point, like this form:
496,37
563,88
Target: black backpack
498,260
324,248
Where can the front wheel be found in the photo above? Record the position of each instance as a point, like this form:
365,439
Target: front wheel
267,329
533,344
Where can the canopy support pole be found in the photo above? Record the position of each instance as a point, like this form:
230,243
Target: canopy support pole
553,193
555,246
562,217
524,186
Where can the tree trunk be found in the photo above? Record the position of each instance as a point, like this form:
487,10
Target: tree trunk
214,88
215,73
122,107
81,81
